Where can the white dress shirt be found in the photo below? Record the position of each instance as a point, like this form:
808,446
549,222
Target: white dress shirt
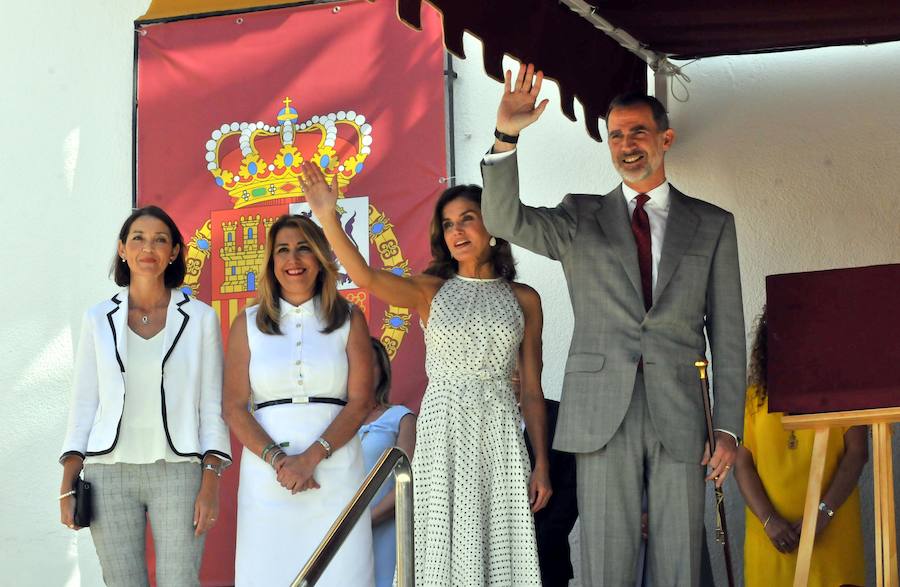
657,208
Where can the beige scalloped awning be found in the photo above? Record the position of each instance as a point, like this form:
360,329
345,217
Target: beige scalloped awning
169,9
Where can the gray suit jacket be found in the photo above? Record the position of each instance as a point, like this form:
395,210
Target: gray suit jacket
698,287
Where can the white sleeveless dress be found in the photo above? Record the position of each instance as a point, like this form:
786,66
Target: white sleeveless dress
276,531
473,523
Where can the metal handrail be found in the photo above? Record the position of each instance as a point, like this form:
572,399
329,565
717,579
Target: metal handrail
393,461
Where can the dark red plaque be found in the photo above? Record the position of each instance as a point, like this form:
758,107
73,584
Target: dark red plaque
834,340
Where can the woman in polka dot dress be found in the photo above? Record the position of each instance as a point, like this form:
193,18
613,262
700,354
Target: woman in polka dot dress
474,496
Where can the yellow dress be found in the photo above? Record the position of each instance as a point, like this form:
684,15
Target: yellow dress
838,552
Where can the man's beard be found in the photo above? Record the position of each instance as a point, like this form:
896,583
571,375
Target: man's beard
635,175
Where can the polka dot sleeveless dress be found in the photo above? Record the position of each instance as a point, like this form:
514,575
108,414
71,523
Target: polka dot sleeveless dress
473,524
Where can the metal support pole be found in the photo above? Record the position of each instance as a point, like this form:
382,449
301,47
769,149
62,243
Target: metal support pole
393,462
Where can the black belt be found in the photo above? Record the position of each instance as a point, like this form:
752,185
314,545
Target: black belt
309,400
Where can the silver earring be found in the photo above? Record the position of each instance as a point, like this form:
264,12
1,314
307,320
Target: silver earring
123,259
170,262
493,242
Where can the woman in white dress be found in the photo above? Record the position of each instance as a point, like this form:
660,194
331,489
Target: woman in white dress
473,497
302,360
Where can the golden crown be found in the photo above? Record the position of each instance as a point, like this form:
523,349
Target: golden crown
264,164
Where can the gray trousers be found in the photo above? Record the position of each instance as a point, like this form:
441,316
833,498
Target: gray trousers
125,496
611,483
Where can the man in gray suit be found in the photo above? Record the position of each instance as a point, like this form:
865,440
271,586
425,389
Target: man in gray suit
650,272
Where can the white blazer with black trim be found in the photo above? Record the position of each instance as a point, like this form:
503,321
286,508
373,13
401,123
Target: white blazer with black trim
191,380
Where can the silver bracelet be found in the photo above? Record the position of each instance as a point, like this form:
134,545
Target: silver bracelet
213,468
326,445
66,494
277,452
823,507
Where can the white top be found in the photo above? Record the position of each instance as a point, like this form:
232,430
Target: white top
142,438
318,362
191,366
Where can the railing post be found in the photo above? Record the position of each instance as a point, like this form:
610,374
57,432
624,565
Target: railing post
393,461
403,512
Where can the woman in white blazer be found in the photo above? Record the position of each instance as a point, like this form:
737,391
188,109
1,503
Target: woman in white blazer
145,421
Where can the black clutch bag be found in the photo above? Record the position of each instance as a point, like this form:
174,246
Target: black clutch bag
84,510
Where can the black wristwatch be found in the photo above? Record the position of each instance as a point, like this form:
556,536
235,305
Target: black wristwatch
511,139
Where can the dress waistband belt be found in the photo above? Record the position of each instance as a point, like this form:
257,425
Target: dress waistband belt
301,400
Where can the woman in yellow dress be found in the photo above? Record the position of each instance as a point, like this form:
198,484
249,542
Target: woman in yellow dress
772,472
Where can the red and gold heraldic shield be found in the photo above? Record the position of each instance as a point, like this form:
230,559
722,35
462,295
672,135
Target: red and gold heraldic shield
230,106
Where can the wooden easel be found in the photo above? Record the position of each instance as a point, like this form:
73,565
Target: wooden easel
885,529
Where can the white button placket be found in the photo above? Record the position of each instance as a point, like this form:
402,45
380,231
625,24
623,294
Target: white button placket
298,354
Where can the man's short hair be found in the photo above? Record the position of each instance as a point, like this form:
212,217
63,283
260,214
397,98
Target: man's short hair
628,99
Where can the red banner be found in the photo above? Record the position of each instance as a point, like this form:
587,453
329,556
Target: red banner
230,106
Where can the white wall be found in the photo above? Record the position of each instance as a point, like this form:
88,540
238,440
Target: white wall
800,146
807,137
65,113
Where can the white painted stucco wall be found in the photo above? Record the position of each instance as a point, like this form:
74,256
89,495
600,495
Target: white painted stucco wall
65,111
808,136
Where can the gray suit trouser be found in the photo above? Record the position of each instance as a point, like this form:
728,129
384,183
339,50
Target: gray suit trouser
125,496
611,484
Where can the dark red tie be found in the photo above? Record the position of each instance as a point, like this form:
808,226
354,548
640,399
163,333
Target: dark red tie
640,227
